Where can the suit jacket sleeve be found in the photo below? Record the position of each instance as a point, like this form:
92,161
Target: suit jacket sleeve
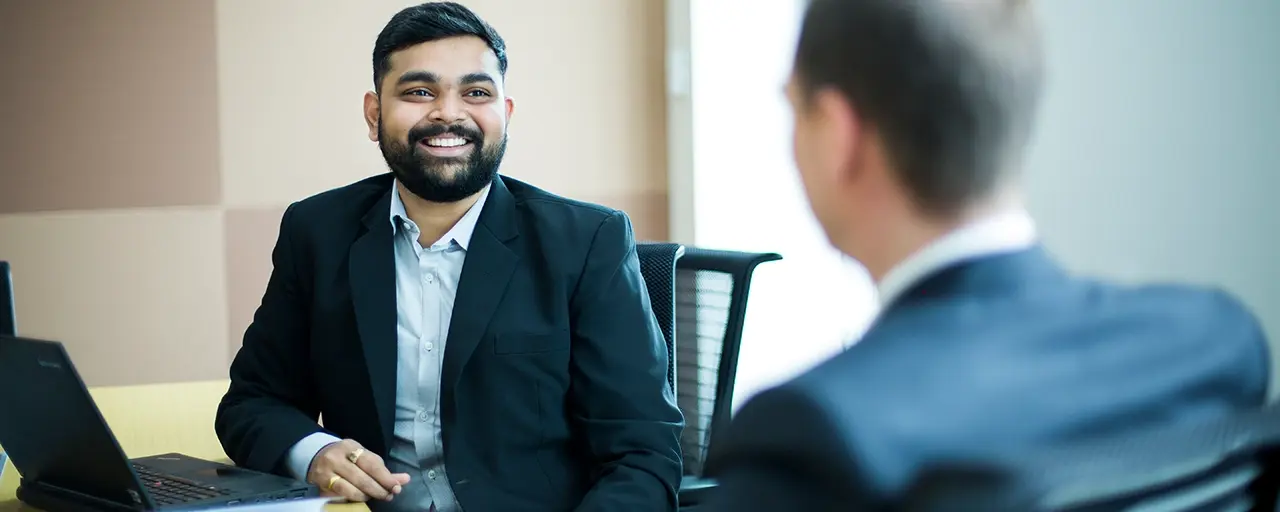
783,451
271,404
618,389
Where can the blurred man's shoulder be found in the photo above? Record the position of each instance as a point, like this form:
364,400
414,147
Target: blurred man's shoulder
1175,298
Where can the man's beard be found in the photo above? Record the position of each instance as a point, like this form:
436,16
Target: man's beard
427,176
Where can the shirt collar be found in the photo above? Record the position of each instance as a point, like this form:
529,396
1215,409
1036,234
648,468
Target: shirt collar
1004,232
460,232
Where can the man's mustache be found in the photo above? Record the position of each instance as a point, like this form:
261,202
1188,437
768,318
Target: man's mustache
418,133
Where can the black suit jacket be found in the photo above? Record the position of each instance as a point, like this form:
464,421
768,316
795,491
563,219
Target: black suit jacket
553,389
983,357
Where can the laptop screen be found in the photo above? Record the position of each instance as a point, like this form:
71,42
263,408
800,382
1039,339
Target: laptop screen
8,317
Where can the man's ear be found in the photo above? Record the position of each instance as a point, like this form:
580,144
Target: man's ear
372,113
511,107
840,130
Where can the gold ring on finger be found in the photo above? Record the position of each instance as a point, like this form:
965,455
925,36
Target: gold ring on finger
333,480
355,455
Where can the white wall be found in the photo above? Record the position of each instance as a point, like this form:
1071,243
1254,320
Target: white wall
735,186
1158,155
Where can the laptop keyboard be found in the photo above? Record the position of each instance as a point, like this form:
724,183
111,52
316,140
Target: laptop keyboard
169,490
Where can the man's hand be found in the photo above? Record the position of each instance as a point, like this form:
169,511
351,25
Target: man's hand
367,478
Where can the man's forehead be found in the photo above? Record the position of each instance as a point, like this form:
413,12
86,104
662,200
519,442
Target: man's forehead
450,57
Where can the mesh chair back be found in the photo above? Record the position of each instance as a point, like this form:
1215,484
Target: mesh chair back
8,314
711,305
658,267
1231,464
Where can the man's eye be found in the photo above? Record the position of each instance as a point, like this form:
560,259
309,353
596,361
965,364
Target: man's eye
418,92
477,93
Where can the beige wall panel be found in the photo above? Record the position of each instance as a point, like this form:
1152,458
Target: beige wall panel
137,296
587,77
107,104
290,78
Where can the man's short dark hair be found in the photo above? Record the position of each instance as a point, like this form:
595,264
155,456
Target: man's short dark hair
950,85
428,22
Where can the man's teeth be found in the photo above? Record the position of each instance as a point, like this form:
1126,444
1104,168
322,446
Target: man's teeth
446,143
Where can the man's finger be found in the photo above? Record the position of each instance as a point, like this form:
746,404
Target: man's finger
373,466
343,488
362,481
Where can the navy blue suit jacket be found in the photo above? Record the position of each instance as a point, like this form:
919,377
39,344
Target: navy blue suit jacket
553,389
994,354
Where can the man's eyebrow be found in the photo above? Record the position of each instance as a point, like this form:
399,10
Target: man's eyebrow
477,78
418,76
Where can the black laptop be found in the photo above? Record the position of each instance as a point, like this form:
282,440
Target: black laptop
70,460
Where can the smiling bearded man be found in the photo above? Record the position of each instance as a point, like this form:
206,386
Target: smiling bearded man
534,377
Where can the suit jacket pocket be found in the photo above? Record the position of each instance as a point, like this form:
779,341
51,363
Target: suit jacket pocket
530,343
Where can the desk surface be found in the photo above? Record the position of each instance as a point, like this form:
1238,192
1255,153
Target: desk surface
147,420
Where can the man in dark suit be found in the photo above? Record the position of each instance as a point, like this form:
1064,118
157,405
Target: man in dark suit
532,377
911,117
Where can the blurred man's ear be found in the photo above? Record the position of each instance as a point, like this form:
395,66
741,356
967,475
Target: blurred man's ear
839,129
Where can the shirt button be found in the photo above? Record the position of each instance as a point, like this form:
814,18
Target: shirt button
428,346
422,416
430,278
431,474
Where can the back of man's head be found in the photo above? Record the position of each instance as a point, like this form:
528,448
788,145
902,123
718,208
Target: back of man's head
951,86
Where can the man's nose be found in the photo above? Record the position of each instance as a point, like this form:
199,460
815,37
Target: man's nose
447,109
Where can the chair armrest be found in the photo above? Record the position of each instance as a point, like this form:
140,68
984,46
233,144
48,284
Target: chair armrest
694,490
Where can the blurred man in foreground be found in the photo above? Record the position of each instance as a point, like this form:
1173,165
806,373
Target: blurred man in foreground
911,122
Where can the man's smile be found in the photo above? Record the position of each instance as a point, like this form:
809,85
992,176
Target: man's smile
447,145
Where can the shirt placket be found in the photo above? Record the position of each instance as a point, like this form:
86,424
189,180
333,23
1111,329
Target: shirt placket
429,372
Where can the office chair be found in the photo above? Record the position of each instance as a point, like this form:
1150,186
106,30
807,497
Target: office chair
711,304
8,315
658,267
1232,464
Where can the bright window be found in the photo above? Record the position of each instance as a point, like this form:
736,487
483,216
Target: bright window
733,127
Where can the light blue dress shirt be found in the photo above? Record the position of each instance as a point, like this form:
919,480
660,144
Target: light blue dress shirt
426,285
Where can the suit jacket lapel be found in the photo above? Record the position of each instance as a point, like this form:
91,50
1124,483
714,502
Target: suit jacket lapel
485,274
372,270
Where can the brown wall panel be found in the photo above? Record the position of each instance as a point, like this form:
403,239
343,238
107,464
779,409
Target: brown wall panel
250,236
107,104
